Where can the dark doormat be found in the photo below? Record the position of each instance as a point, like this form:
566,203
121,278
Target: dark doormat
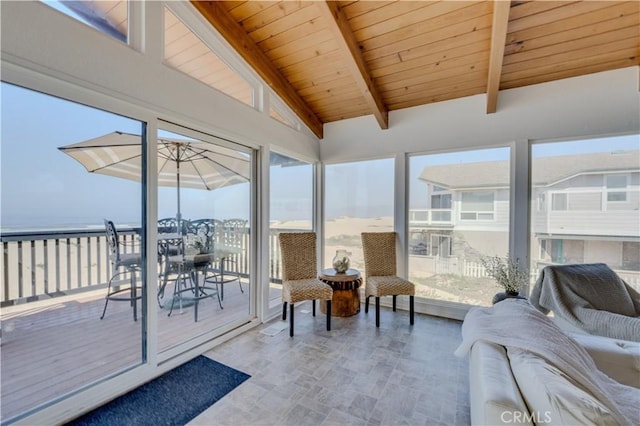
172,399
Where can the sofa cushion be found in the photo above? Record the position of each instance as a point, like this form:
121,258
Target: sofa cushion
494,394
618,359
553,397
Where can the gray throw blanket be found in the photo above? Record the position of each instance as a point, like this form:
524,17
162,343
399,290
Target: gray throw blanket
591,297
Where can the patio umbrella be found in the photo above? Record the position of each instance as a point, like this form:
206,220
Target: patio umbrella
182,163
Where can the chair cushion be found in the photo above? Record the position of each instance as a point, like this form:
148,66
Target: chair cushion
310,289
388,286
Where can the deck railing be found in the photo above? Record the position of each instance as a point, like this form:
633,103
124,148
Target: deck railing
50,263
42,264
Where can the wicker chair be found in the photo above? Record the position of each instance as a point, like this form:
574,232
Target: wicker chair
380,272
300,274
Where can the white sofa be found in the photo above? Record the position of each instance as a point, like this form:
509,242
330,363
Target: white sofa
496,398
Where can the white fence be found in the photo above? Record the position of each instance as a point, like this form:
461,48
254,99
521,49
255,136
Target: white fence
464,268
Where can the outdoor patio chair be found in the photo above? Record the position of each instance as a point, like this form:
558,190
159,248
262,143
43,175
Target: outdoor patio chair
168,225
379,250
209,230
169,244
300,275
122,263
229,234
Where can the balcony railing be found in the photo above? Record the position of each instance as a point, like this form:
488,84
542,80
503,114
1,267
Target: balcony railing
587,212
44,264
425,217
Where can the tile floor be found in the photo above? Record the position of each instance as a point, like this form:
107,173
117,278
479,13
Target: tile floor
353,375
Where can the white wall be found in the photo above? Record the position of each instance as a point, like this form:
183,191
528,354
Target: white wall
596,104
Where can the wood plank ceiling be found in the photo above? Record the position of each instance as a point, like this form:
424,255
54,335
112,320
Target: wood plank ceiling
335,60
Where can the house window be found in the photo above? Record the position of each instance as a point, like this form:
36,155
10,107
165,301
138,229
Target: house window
477,206
559,201
277,111
109,17
441,201
616,188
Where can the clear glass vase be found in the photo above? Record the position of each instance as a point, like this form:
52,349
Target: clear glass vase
341,261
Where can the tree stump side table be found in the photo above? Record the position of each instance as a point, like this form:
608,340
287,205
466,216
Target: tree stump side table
346,299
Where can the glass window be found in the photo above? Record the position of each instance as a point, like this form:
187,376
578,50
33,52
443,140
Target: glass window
58,335
452,226
558,201
185,51
476,206
441,201
358,198
614,183
110,17
291,192
276,112
204,228
586,179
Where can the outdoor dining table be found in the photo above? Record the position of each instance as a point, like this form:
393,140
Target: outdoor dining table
191,266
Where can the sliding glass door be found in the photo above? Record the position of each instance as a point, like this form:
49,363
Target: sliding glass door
205,272
59,332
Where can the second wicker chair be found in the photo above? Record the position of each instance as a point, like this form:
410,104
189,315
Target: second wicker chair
379,250
300,274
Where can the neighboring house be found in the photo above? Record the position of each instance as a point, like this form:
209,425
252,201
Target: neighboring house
585,208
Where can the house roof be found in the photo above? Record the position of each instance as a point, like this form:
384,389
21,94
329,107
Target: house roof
546,170
332,60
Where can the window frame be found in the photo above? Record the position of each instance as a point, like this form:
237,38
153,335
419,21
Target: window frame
616,190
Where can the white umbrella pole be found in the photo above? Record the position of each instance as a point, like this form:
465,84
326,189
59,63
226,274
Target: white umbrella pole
178,215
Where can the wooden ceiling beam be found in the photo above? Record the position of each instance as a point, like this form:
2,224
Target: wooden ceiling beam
235,35
498,40
338,24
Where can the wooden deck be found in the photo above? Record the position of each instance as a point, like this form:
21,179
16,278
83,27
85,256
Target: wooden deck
52,347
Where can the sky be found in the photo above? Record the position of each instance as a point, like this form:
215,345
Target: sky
42,186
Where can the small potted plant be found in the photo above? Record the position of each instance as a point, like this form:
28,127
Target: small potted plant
507,274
